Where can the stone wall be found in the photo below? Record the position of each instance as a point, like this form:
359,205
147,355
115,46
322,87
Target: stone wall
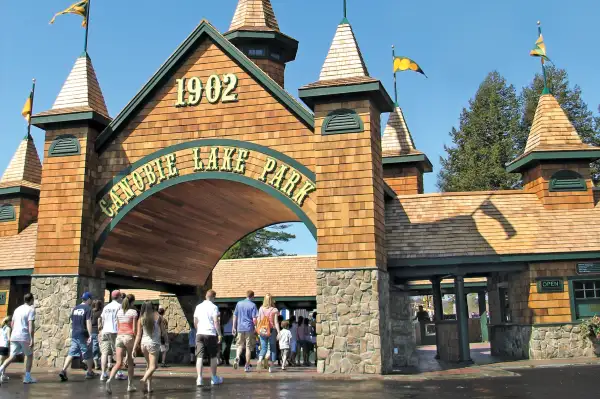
543,342
447,340
180,321
55,296
404,348
353,323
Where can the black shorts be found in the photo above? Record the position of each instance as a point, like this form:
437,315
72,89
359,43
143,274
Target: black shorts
4,351
207,346
193,350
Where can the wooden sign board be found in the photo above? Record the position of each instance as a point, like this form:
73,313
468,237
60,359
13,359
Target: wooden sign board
588,268
3,295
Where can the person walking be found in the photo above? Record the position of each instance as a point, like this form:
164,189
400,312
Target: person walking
96,313
21,339
301,337
149,331
227,321
243,327
81,337
285,339
5,330
192,343
294,341
107,325
268,330
208,338
126,330
164,343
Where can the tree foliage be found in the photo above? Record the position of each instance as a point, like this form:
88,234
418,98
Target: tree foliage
494,128
484,141
259,244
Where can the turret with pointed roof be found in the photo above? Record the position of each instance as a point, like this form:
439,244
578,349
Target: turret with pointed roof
555,163
20,189
255,31
348,103
403,164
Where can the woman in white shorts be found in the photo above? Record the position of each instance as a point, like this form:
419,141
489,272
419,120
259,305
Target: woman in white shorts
5,331
149,332
126,330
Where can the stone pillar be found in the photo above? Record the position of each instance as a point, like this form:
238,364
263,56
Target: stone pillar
462,315
353,322
404,345
438,309
179,313
55,296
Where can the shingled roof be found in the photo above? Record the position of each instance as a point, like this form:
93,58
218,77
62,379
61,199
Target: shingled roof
18,251
80,92
25,168
344,59
484,224
254,15
397,139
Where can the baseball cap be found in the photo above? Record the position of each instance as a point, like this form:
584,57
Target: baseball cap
86,295
116,294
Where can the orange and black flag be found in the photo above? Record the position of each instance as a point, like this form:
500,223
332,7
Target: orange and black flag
406,64
79,8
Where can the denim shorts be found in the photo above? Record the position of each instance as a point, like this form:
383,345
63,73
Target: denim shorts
80,347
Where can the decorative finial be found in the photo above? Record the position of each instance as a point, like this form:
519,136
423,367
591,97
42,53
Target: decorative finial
345,10
539,23
33,80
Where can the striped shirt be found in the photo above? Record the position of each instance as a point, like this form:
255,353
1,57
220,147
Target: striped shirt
126,321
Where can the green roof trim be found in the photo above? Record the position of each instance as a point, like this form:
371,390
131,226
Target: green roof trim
64,146
44,121
519,164
375,89
7,213
204,30
421,159
16,273
342,121
19,190
492,259
276,39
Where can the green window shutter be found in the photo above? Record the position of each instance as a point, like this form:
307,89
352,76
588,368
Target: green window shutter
63,146
567,180
342,121
7,213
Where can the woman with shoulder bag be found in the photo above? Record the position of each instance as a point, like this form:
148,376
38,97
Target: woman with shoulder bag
267,329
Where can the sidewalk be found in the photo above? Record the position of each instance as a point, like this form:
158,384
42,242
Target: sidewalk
502,369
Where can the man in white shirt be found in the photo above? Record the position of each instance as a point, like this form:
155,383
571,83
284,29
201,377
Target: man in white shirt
107,324
21,339
208,337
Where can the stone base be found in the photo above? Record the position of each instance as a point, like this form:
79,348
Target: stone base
544,342
404,343
179,314
55,297
448,341
353,323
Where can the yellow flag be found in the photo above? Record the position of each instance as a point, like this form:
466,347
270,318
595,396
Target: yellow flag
26,112
79,8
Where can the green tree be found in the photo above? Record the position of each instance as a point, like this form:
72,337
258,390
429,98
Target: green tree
570,100
484,142
259,244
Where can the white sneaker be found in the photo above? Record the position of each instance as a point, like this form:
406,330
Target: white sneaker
131,388
247,369
270,369
29,380
199,382
104,377
5,378
216,380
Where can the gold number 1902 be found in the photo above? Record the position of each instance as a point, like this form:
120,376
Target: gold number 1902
215,90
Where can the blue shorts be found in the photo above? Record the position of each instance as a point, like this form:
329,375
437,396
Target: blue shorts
80,347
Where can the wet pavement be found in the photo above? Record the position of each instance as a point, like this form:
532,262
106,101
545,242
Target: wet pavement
579,382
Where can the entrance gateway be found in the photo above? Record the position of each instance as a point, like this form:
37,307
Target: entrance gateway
213,148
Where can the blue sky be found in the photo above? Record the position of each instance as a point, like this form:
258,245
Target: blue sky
456,42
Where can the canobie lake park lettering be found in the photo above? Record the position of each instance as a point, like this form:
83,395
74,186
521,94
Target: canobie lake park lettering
274,172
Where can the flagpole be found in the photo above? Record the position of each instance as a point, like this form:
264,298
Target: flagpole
345,10
31,112
395,84
546,90
87,26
